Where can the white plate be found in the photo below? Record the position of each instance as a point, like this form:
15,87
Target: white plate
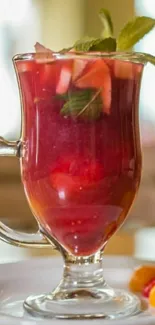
19,280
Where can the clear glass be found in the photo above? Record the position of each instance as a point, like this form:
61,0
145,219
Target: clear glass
81,168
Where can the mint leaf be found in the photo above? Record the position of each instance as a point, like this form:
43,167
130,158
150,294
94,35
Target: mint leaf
104,45
149,58
62,96
86,104
84,44
65,50
107,23
134,31
98,45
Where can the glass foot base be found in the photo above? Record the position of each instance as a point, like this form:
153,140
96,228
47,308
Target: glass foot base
84,304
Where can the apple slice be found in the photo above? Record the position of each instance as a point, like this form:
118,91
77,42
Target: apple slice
64,78
123,69
98,76
49,76
71,70
127,70
42,53
41,48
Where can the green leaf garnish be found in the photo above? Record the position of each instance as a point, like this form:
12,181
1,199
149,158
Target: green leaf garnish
85,104
88,103
107,23
133,32
149,58
62,96
98,44
65,50
84,44
104,45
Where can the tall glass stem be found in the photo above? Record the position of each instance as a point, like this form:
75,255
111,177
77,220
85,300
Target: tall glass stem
80,276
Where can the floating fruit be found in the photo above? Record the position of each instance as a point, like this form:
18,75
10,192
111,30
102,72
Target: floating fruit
126,70
73,174
98,76
65,77
78,67
123,69
64,184
48,76
25,66
42,53
41,48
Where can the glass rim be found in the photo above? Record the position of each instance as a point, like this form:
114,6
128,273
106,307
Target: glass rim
134,57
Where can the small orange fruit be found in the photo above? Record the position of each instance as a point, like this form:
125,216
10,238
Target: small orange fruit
141,277
152,297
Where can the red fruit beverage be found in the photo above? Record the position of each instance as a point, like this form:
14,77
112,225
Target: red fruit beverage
81,166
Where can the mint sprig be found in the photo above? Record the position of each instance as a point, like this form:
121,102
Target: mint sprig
85,104
134,31
98,44
84,44
106,22
104,45
131,33
88,103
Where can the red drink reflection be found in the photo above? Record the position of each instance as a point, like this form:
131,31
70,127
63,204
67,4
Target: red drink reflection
80,175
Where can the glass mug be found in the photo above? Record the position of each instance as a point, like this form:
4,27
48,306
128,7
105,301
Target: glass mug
80,159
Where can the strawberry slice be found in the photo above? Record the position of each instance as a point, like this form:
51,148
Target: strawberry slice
78,67
74,174
98,76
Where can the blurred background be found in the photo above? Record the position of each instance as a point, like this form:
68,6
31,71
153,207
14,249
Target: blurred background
57,24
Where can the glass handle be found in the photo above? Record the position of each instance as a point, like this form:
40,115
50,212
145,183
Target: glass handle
37,240
9,148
